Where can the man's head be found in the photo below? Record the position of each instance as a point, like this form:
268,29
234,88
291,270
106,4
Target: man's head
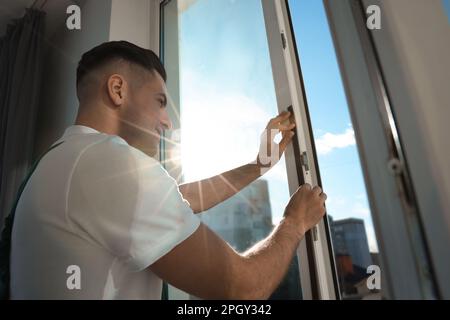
121,89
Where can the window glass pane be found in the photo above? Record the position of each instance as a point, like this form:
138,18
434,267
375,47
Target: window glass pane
353,236
226,98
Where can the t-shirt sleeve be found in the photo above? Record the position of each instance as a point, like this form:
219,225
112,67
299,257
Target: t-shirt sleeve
123,200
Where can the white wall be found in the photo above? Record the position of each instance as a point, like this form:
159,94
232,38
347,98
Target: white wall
59,103
130,20
101,20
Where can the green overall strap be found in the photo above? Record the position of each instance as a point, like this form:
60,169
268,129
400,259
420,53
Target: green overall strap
5,242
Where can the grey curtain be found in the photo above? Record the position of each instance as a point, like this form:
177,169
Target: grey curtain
21,63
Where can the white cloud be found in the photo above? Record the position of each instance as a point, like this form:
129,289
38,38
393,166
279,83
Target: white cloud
330,141
361,210
336,201
342,207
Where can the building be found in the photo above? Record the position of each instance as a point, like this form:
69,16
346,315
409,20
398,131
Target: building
352,256
350,238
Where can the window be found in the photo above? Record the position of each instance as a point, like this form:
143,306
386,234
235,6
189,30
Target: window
234,64
222,91
353,236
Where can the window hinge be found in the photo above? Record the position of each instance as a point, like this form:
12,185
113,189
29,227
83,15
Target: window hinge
283,40
304,160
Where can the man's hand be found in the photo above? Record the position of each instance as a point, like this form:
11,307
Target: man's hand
270,152
306,208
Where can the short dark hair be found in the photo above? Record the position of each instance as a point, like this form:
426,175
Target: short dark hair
108,51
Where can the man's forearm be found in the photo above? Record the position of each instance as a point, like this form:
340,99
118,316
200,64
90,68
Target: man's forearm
266,263
207,193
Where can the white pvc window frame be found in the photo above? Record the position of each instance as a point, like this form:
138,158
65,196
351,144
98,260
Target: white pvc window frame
316,260
421,59
396,209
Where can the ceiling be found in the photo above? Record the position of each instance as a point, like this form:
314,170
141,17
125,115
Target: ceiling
55,9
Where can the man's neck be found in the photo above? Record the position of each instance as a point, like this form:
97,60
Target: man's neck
96,120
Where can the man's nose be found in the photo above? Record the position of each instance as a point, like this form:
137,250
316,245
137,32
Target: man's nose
165,121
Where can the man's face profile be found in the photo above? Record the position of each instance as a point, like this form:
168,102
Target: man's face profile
143,116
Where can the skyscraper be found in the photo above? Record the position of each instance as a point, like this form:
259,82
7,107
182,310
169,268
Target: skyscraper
350,239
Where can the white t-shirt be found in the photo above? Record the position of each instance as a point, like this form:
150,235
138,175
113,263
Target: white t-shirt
95,214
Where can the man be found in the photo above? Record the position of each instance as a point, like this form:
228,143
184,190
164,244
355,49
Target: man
101,219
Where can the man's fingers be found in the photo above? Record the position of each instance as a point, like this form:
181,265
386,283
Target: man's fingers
287,137
281,117
317,190
280,126
324,196
306,185
283,127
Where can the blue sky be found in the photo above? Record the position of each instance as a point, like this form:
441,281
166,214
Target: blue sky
227,88
340,168
447,7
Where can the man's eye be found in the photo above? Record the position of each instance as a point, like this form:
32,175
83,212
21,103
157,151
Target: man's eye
161,102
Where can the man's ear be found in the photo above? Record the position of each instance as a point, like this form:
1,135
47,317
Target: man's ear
117,89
